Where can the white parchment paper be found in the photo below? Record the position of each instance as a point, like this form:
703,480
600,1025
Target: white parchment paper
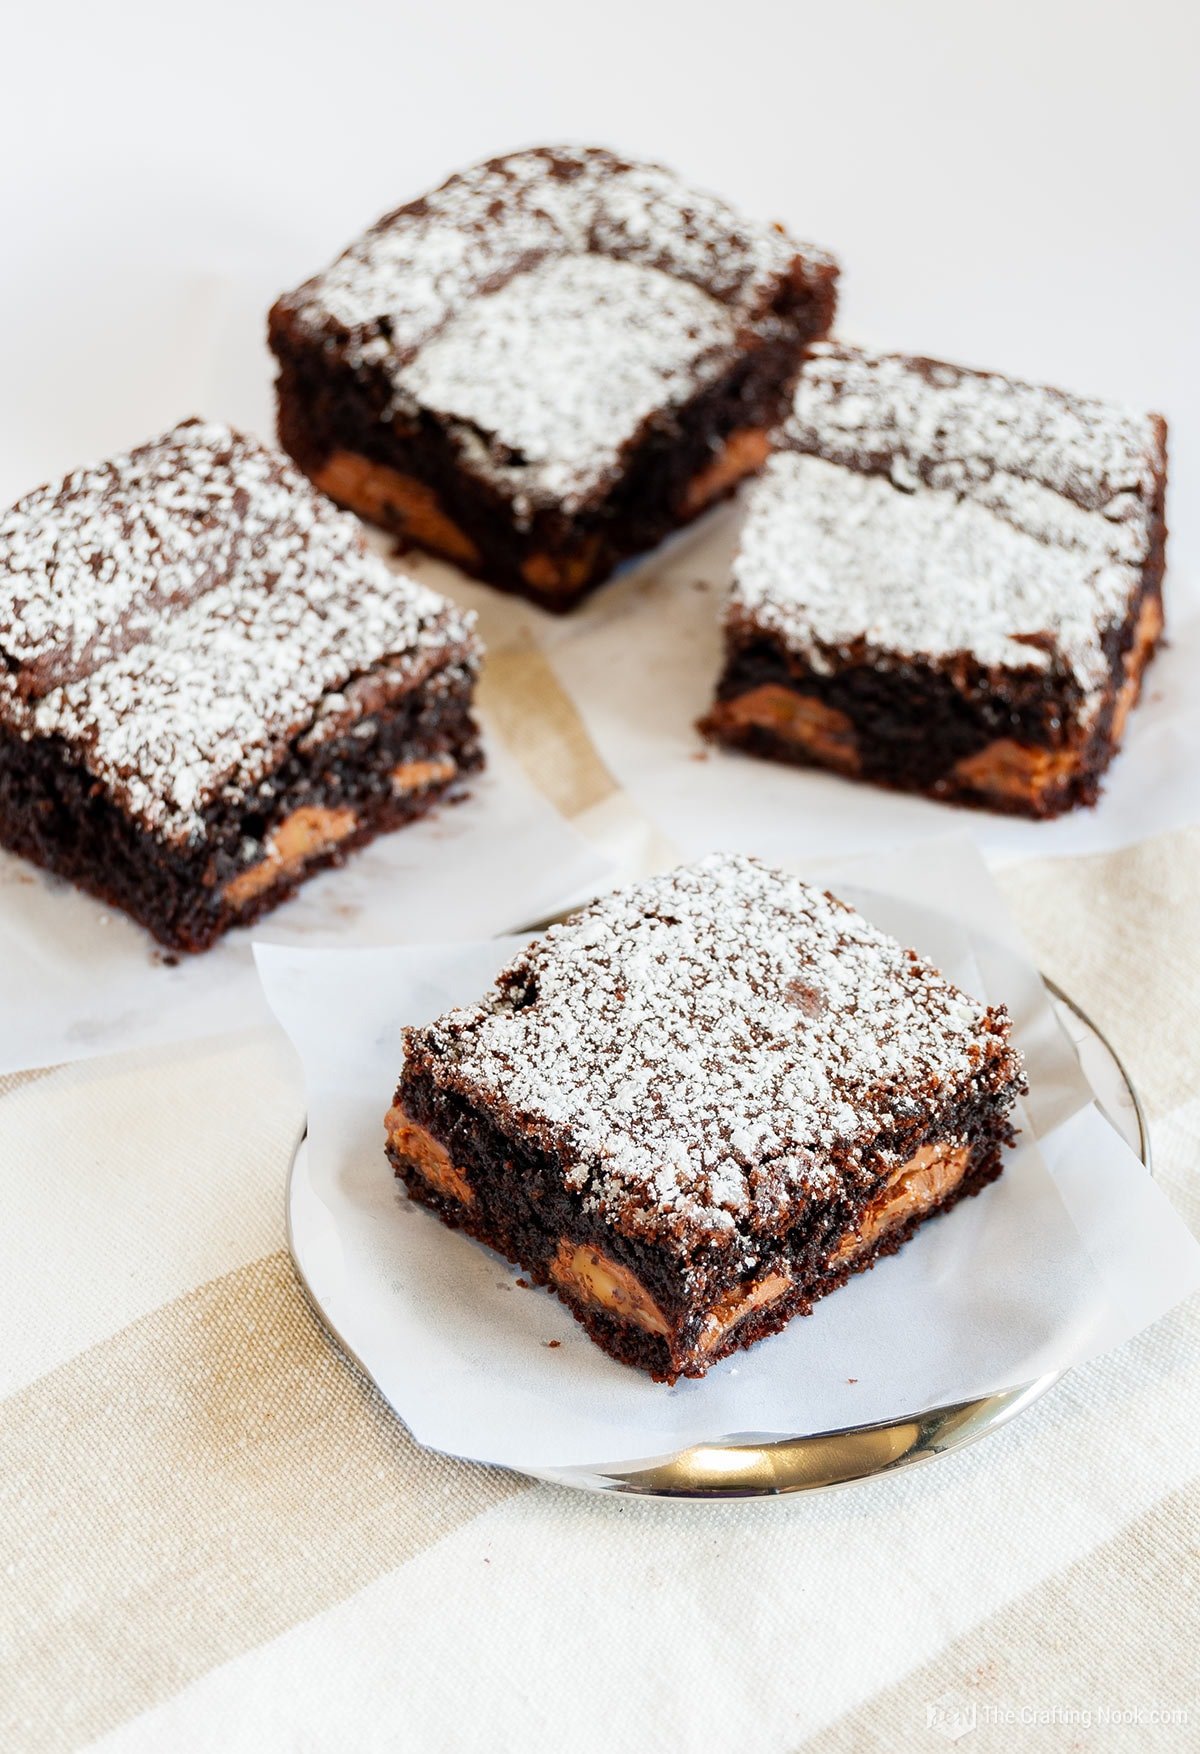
82,979
1071,1251
641,661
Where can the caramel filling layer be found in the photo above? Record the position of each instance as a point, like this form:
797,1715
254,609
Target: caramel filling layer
401,502
721,1320
1022,771
414,776
304,835
593,1279
566,572
743,453
920,1183
1145,638
431,1159
314,828
821,731
398,502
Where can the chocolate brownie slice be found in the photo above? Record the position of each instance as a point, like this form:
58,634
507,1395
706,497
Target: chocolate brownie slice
949,581
700,1104
547,364
209,687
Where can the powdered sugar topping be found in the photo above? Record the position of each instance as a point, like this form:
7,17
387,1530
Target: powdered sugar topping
179,614
920,509
398,284
555,373
954,428
546,304
709,1047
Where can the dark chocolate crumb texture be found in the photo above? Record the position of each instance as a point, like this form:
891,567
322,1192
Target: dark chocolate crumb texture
700,1104
547,364
949,581
209,688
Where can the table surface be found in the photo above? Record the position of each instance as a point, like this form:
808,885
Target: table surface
212,1533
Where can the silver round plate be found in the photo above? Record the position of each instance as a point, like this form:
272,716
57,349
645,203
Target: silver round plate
818,1460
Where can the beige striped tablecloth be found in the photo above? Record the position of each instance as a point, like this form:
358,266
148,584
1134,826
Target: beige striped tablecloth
213,1535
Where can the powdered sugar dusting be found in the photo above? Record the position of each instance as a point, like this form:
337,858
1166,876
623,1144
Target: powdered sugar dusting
398,284
178,614
831,559
710,1047
546,304
954,428
560,368
920,509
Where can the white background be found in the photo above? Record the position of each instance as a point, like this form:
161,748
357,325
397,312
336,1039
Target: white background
1009,185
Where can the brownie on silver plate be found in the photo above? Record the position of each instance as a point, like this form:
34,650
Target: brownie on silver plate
700,1104
209,688
547,364
949,581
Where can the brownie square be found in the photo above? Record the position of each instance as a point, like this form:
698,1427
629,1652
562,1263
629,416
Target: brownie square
700,1104
547,364
209,688
949,581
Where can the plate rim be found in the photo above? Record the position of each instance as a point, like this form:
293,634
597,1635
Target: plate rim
775,1466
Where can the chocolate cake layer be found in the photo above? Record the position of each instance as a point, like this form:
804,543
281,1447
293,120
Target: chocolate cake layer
701,1104
547,364
211,689
949,582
